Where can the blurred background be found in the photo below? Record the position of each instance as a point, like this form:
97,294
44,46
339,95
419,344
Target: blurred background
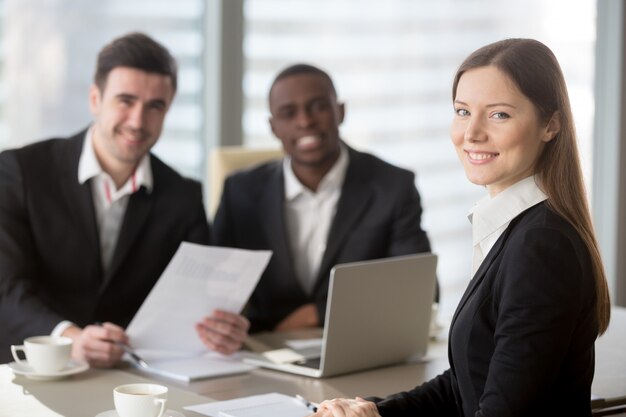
392,62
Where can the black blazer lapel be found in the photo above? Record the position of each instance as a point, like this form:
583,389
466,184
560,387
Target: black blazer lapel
484,266
138,210
272,215
351,205
478,276
137,213
78,196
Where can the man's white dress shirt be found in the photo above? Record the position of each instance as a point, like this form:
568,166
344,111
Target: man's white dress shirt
309,216
109,202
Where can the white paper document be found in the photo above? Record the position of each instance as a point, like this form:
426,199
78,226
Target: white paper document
198,280
191,368
301,344
274,404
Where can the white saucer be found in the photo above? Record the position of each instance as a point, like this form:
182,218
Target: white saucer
168,413
72,367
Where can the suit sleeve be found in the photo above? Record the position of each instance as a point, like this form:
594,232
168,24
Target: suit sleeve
407,236
405,233
22,313
223,234
543,293
433,398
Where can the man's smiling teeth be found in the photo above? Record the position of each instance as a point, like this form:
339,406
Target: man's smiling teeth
308,140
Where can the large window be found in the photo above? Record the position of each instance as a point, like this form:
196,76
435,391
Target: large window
393,64
47,59
392,61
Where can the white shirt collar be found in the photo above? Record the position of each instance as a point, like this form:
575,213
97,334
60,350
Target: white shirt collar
89,167
490,214
332,180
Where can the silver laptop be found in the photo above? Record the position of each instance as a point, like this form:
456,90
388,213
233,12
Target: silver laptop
378,313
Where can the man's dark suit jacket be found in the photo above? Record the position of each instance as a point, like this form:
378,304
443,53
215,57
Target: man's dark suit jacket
50,267
378,215
521,340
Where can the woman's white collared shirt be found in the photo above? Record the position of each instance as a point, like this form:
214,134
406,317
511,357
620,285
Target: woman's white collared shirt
491,216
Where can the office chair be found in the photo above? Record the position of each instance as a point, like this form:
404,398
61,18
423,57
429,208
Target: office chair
226,160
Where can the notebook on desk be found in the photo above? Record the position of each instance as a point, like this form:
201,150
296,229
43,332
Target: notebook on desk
378,313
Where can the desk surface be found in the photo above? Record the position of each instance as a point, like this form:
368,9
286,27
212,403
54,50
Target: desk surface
610,375
90,393
83,395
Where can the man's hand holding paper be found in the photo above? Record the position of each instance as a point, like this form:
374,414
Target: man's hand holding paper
206,283
195,306
223,332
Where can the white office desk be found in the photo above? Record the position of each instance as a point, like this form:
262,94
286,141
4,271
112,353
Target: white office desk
609,380
610,377
83,395
90,393
374,382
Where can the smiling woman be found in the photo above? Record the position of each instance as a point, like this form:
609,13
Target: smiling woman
497,132
522,338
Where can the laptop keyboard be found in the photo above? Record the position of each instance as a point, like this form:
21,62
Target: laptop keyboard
313,363
313,352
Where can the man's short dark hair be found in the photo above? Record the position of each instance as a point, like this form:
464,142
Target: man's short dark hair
298,69
135,50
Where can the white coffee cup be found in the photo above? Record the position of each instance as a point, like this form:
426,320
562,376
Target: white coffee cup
44,354
145,400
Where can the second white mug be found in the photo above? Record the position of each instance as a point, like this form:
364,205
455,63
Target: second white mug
145,400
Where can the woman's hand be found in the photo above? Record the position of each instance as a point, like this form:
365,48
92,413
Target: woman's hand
343,407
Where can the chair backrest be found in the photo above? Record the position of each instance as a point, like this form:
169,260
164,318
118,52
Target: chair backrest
226,160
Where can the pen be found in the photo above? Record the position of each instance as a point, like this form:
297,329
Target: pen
132,354
136,358
308,404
